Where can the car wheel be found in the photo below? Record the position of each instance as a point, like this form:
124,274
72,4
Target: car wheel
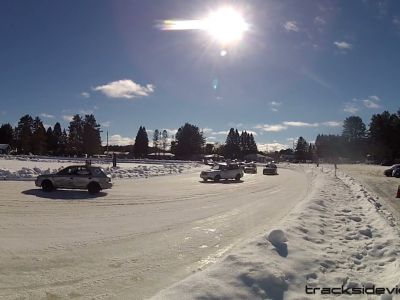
205,179
47,186
217,178
237,177
93,188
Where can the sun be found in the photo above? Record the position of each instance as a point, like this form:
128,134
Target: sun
226,25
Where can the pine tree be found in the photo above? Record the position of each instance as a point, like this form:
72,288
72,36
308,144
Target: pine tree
57,134
6,134
23,133
39,138
164,140
301,149
141,147
189,141
75,136
91,139
156,139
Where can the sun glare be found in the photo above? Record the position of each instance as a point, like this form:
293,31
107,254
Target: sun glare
225,25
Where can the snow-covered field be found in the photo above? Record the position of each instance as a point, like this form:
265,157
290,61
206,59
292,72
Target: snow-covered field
28,168
267,237
341,237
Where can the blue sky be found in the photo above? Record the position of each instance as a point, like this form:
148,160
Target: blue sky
300,69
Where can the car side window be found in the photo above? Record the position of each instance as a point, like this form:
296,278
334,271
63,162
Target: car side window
82,171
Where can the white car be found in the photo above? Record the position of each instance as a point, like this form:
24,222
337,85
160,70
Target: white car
223,171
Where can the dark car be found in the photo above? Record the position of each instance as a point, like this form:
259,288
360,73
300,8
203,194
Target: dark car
270,169
393,171
85,177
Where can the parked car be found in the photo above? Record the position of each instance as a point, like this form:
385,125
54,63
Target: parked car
393,171
250,168
91,178
270,169
223,171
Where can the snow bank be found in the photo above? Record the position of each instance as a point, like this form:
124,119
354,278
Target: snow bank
339,237
22,168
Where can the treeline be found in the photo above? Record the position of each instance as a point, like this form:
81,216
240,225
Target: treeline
82,137
380,142
31,137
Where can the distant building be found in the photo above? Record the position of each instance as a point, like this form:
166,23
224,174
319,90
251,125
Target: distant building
161,155
5,148
258,158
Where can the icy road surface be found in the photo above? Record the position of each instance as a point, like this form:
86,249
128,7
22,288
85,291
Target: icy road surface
134,240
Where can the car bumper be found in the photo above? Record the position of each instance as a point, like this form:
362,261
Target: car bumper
106,186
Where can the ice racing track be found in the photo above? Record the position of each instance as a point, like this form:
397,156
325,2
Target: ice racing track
134,240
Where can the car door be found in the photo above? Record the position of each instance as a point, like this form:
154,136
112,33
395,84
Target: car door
64,178
81,178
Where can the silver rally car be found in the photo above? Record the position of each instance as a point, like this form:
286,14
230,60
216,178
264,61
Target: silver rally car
223,171
76,177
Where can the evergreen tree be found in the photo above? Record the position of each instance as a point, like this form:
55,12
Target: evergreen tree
57,135
75,136
353,128
23,134
51,141
141,147
164,140
91,139
232,144
301,149
189,141
156,139
39,140
6,134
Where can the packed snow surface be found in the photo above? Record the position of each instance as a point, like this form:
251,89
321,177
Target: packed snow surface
28,168
341,237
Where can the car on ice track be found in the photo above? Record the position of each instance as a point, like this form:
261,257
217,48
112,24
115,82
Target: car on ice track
92,178
250,168
394,171
270,169
223,171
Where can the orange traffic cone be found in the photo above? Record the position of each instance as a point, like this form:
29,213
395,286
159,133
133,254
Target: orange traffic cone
398,192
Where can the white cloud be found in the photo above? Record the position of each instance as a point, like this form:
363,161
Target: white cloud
374,98
86,112
291,26
48,116
126,89
85,95
300,124
271,147
67,118
271,128
332,123
319,20
119,140
207,130
274,105
343,45
170,131
46,126
219,132
370,104
350,108
106,124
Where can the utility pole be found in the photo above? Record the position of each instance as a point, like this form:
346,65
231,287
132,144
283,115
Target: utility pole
107,142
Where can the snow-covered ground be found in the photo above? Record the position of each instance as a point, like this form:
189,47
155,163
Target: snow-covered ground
267,237
28,168
342,237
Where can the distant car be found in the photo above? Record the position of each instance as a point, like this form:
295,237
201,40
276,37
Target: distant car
250,168
92,178
393,171
270,169
223,171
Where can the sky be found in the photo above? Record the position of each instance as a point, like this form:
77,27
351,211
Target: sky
299,69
